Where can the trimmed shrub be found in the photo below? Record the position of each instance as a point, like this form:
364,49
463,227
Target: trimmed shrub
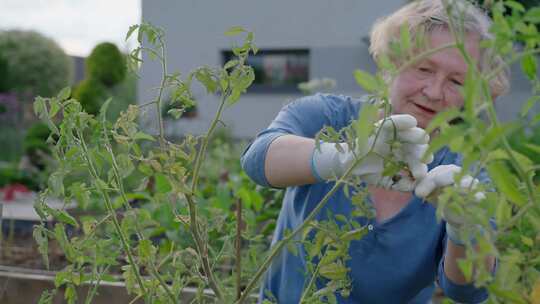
106,64
36,65
36,138
4,85
91,94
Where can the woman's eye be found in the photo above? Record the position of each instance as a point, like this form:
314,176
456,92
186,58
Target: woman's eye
424,70
457,82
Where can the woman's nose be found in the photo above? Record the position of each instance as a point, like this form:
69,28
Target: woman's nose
434,88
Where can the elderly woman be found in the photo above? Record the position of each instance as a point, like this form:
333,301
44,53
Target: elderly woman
406,249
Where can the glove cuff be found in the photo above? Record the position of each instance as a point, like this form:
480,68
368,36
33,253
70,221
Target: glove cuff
327,162
453,234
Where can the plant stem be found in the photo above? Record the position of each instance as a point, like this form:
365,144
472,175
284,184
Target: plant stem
201,248
492,114
160,94
238,249
119,181
194,226
276,249
92,292
311,281
206,139
109,207
516,57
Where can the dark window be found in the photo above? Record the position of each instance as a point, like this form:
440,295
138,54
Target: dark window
276,71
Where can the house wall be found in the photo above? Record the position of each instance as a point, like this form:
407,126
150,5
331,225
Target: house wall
335,32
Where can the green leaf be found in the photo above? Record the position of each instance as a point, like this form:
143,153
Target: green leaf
466,267
244,195
64,94
529,104
103,109
230,64
527,240
40,235
235,30
334,271
355,234
470,91
146,250
342,218
39,107
293,249
132,29
515,5
205,77
509,296
145,169
61,237
533,147
442,118
70,294
503,212
55,107
506,183
256,200
535,119
364,124
143,136
500,154
56,183
533,15
529,66
176,113
47,297
162,183
405,37
64,217
366,81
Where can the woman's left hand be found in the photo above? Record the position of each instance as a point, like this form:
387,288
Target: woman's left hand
431,187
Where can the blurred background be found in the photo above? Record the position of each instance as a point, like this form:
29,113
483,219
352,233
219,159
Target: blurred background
306,46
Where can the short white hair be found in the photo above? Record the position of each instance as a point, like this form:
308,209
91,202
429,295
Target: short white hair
426,15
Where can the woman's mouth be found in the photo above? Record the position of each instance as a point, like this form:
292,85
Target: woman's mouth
425,109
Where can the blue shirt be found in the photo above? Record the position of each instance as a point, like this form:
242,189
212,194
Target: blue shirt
398,260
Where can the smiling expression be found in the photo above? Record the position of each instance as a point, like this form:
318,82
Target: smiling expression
433,84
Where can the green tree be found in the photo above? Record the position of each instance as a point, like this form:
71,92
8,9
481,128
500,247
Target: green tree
106,64
36,65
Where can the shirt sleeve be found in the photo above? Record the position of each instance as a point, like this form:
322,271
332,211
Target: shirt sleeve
303,117
462,293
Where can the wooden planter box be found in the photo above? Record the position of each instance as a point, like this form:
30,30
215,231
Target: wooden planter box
24,286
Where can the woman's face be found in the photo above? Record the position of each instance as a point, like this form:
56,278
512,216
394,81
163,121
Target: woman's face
433,84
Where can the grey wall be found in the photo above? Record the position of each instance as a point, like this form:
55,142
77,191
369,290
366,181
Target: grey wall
509,106
333,31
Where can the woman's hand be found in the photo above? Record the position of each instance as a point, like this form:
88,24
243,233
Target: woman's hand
431,187
396,138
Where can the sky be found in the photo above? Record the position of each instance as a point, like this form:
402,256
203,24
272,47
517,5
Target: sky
76,25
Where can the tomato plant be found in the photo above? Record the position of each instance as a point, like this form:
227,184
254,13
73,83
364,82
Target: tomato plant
213,240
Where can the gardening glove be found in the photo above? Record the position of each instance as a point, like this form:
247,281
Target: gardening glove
399,139
430,187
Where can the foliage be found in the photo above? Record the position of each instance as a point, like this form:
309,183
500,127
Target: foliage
106,64
171,180
210,215
91,94
10,131
37,135
10,174
123,94
31,59
4,85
